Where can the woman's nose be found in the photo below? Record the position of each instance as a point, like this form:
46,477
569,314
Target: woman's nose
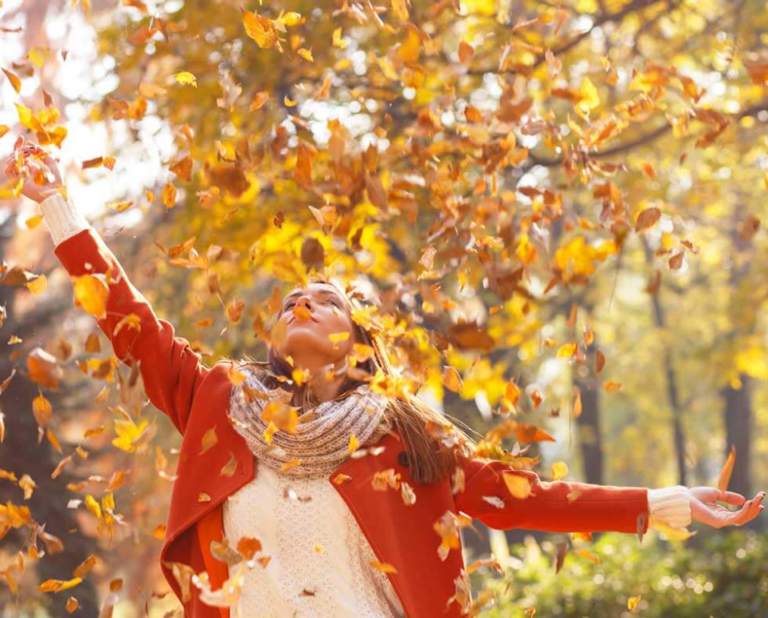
305,302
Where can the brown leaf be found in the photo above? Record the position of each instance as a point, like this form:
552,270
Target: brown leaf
647,219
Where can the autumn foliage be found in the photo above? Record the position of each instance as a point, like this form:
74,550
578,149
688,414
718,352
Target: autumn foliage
560,206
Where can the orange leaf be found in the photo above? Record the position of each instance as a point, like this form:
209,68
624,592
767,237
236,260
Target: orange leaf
725,473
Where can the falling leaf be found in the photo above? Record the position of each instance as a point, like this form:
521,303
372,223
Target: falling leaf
519,486
15,81
248,547
727,470
337,40
186,78
42,410
230,467
559,470
452,380
259,99
588,96
260,29
57,585
209,440
466,52
91,293
384,567
647,219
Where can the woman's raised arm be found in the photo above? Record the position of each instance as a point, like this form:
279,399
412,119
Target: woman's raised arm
171,371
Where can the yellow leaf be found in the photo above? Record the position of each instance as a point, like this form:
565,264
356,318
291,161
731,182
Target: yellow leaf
33,221
260,29
57,585
353,443
127,433
384,567
38,286
290,464
559,470
91,293
306,54
401,9
633,601
26,117
567,350
519,486
292,19
131,320
269,432
185,77
93,506
589,98
338,337
673,534
38,56
337,41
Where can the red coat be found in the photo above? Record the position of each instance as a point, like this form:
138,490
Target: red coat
196,398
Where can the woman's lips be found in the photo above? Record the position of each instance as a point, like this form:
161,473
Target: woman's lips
294,318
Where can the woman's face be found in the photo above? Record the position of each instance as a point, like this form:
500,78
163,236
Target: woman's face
307,318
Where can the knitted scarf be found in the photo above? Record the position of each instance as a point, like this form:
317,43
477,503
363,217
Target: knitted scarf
321,443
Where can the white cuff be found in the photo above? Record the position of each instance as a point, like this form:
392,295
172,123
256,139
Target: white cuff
62,217
671,505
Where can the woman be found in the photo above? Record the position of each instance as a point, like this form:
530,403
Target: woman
357,507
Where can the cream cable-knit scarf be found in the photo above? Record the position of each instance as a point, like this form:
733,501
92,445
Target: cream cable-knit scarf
321,443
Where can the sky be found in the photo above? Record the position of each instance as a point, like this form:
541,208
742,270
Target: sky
85,79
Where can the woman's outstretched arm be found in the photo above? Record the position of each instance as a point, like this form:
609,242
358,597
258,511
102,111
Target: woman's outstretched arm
557,506
562,506
171,371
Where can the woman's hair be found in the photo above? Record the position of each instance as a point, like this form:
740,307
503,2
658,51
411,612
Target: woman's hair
422,427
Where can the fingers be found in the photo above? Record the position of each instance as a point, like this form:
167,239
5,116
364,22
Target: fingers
731,497
752,508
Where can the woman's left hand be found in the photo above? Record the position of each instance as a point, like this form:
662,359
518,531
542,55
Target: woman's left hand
704,507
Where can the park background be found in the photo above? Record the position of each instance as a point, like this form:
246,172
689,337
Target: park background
563,205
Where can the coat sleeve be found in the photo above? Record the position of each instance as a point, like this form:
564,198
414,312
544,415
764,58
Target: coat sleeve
557,506
171,371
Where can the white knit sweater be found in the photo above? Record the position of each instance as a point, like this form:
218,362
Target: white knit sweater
320,559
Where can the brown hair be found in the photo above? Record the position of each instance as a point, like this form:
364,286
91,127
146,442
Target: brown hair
421,426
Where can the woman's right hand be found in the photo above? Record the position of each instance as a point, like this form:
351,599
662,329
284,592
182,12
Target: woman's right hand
38,168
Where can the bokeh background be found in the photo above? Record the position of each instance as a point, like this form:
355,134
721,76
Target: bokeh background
562,206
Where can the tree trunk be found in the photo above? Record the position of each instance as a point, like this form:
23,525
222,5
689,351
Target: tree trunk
738,431
589,429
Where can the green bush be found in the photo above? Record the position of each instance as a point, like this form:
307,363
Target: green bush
716,573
